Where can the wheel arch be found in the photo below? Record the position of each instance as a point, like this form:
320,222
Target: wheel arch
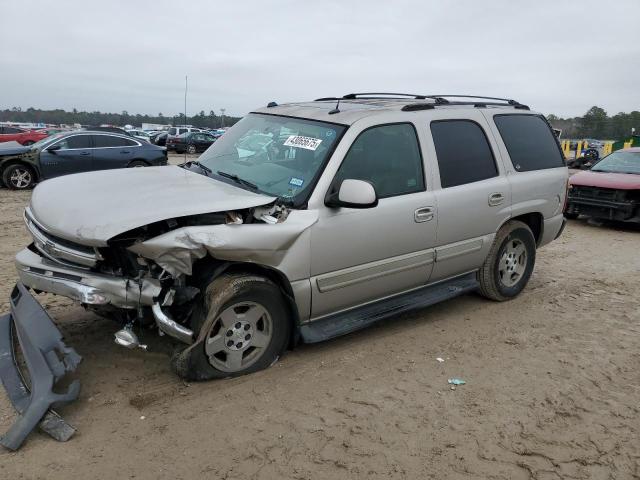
208,268
534,220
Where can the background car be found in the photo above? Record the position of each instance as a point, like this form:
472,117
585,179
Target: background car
609,190
139,134
159,138
173,132
23,137
192,142
75,152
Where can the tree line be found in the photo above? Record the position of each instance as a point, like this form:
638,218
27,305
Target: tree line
59,116
597,124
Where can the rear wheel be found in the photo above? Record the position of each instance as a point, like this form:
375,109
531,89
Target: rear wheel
242,325
18,176
191,149
510,262
138,163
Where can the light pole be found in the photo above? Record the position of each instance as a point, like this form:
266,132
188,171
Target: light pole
222,110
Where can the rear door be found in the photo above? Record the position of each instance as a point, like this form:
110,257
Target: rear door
73,156
473,197
114,151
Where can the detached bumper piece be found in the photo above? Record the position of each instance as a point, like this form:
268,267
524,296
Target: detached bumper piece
47,359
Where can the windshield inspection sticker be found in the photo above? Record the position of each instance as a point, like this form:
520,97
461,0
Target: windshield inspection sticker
296,182
302,142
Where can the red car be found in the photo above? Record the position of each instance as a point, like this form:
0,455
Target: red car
610,190
23,137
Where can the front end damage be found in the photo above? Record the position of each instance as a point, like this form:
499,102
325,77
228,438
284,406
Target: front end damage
147,277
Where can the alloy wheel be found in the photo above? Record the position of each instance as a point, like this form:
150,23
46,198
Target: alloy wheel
20,177
239,336
513,262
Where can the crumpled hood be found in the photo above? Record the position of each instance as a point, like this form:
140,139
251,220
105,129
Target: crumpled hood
90,208
621,181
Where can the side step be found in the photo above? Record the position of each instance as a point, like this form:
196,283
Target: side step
361,317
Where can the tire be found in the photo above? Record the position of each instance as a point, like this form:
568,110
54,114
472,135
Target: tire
191,149
234,311
138,164
18,176
508,267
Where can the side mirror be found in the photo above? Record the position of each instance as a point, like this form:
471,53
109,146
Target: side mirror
54,148
353,194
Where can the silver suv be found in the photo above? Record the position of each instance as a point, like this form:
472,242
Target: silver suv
303,222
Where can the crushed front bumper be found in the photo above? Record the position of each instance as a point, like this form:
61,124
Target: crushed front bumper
84,286
47,360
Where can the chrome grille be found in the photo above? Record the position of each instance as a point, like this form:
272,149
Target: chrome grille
60,250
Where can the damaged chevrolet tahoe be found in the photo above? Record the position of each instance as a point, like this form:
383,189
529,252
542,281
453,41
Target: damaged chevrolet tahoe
303,222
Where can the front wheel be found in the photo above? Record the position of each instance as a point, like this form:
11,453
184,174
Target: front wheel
191,149
243,326
18,177
510,262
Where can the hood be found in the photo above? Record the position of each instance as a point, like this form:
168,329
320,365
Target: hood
13,150
90,208
620,181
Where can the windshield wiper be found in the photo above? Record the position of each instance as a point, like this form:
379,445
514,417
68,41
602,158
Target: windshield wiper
237,179
203,167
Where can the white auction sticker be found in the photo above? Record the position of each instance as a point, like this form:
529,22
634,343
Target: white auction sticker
309,143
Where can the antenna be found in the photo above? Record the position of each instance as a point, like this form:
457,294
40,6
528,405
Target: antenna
337,109
186,87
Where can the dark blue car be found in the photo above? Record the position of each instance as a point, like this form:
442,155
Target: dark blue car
75,152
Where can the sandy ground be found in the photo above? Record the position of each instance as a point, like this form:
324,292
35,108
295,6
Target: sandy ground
553,383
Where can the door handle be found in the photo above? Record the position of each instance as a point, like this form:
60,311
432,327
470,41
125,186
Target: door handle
423,214
85,153
496,199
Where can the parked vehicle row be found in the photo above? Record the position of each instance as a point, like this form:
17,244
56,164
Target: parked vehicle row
75,152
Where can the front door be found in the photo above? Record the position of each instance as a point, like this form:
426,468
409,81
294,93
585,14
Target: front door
360,255
74,155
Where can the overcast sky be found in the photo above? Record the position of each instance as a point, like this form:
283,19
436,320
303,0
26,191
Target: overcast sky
558,56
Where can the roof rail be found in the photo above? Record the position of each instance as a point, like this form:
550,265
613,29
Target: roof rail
353,96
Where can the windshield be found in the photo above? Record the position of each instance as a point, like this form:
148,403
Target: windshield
281,156
619,162
47,140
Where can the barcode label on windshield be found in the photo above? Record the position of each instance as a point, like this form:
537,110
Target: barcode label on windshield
302,142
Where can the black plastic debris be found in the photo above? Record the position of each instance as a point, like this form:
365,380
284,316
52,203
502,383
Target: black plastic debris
47,360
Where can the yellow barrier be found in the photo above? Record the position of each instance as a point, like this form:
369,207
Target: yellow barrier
579,149
627,145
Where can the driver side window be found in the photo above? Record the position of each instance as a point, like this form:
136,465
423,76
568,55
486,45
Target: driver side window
387,156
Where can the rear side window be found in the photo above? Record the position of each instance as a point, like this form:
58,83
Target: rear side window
171,131
103,141
529,141
464,154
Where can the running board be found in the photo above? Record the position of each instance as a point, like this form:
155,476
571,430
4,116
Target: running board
361,317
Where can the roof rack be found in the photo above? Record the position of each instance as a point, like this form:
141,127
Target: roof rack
477,101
